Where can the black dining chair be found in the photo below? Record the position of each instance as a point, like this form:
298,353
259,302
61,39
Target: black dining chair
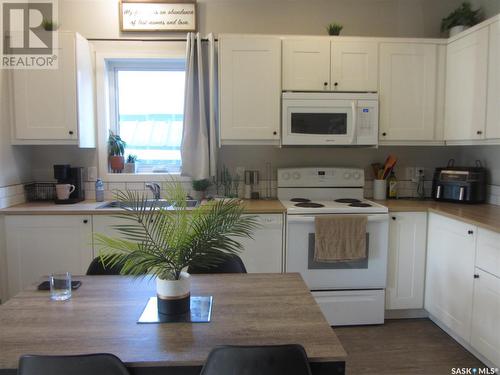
231,264
257,360
88,364
96,268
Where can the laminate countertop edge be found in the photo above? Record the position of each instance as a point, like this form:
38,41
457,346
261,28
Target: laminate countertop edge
92,208
486,216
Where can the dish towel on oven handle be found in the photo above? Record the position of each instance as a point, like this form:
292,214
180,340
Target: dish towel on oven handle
340,238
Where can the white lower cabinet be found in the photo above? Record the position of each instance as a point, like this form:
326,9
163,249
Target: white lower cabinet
263,253
40,245
485,336
406,268
451,250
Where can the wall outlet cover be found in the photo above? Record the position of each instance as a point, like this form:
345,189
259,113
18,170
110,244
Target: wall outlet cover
91,173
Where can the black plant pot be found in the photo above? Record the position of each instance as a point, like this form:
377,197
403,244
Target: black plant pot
171,306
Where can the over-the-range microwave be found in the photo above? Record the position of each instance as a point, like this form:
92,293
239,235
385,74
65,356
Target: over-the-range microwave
329,118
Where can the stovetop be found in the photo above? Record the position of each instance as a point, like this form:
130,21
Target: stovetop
325,190
361,206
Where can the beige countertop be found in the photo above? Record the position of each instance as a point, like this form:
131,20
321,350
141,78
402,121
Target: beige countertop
483,215
91,208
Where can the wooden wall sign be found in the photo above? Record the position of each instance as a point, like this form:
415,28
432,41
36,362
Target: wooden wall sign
150,15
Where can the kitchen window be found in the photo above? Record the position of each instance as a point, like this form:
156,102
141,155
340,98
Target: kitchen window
147,110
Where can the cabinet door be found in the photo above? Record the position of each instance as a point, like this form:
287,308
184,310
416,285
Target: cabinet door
40,245
406,270
306,64
264,253
408,86
466,80
493,114
485,336
354,66
45,100
250,88
450,268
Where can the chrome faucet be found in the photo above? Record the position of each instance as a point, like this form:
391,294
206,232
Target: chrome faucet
155,189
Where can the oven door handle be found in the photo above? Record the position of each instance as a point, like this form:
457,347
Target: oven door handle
310,219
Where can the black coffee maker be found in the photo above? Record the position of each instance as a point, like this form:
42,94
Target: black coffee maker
64,174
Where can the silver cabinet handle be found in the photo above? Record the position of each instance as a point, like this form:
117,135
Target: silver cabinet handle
438,192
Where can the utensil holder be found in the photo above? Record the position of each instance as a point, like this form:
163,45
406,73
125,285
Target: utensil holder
380,189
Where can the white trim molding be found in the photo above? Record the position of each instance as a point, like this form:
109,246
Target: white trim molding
116,50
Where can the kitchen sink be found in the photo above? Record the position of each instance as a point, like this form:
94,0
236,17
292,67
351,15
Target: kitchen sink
160,203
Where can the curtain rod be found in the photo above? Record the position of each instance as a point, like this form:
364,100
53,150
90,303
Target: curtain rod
142,40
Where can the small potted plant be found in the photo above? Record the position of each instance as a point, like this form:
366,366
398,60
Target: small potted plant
460,19
49,25
334,29
200,187
116,149
171,240
130,166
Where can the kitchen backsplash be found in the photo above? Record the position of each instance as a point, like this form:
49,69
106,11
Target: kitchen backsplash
406,189
493,194
12,195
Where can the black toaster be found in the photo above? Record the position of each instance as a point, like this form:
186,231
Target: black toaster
460,184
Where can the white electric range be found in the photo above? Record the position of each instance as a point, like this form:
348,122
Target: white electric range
349,293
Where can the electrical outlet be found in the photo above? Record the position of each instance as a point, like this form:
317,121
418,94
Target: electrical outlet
240,171
409,173
419,171
91,173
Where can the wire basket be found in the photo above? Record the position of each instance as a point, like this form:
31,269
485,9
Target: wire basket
40,191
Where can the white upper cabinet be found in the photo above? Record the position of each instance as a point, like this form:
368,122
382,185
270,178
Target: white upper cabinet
409,83
466,82
56,106
354,66
250,88
493,114
322,64
306,64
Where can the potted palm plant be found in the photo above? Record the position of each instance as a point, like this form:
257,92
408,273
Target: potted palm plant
116,149
162,242
461,18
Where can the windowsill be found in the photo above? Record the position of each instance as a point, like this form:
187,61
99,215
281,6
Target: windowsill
144,177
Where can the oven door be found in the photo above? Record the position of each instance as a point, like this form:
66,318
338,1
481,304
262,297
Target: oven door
318,122
366,274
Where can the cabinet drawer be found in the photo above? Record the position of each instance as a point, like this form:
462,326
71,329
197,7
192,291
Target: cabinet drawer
488,251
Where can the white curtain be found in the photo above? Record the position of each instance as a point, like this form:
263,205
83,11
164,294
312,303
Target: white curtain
199,137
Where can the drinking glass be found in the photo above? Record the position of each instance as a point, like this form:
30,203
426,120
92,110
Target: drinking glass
60,286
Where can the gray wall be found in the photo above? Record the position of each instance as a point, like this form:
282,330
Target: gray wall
490,7
404,18
408,18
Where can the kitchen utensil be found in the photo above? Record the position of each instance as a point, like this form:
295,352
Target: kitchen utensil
389,165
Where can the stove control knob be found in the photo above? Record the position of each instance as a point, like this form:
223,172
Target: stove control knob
286,176
296,175
347,175
357,175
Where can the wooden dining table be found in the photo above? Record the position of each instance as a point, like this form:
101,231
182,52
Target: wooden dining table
102,315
